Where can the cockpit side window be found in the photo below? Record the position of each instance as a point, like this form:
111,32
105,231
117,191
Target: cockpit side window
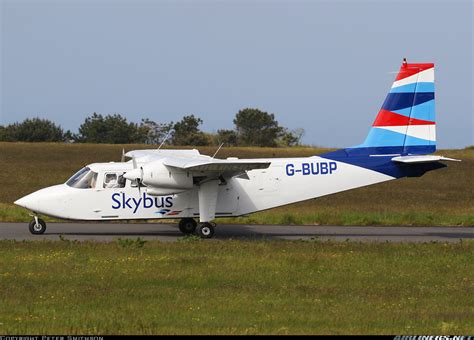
114,180
83,179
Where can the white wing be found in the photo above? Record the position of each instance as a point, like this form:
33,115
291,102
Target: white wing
216,165
192,160
144,156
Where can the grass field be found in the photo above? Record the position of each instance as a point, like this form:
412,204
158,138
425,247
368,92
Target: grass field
443,197
235,287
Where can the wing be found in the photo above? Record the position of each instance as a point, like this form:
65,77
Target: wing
192,160
216,165
153,155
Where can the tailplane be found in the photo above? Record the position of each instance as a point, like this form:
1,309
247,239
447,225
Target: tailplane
406,122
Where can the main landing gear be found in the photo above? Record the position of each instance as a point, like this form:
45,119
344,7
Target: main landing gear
37,226
189,226
205,230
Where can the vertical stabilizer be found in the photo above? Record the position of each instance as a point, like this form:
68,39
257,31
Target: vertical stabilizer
406,122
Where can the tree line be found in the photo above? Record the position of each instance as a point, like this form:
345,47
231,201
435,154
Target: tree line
253,127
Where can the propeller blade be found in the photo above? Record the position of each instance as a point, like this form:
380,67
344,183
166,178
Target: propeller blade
134,162
139,181
123,155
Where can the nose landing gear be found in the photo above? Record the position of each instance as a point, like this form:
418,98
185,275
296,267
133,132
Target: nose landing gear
37,226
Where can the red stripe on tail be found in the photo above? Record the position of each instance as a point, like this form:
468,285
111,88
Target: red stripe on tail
389,118
410,69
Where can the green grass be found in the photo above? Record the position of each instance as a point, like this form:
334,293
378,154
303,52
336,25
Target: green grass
334,216
236,287
444,197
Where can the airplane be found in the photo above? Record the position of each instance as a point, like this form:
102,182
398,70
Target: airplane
185,185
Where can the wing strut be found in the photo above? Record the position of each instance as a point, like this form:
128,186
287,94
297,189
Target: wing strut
208,200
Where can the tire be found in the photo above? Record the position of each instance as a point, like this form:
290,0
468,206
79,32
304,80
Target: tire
187,226
205,230
37,229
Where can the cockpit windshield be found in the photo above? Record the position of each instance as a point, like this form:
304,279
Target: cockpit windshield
83,179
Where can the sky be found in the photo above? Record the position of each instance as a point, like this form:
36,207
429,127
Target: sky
324,66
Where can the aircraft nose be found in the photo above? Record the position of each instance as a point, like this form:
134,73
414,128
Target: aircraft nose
30,202
44,201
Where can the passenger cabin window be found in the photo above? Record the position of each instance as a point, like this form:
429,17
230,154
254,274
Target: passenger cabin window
114,180
83,179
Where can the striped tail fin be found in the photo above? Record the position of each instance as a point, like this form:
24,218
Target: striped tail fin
406,122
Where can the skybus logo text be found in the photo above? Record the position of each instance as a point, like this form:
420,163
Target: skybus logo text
120,200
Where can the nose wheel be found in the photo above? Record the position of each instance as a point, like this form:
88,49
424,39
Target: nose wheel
37,226
205,230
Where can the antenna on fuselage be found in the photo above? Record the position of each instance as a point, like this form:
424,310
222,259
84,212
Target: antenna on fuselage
165,139
215,153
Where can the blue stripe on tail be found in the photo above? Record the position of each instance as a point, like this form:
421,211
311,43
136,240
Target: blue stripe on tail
398,101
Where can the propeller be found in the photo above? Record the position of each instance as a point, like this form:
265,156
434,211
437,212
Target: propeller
135,175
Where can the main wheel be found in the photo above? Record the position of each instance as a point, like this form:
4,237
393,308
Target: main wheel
205,230
37,228
187,226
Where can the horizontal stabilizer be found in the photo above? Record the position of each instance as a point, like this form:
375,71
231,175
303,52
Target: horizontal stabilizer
422,159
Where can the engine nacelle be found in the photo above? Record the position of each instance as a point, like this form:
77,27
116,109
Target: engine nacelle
162,192
164,180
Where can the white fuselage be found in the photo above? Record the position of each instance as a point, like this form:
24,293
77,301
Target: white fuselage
287,180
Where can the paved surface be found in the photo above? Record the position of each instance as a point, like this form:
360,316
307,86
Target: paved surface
170,232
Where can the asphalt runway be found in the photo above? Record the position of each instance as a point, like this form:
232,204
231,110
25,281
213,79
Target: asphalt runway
169,232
